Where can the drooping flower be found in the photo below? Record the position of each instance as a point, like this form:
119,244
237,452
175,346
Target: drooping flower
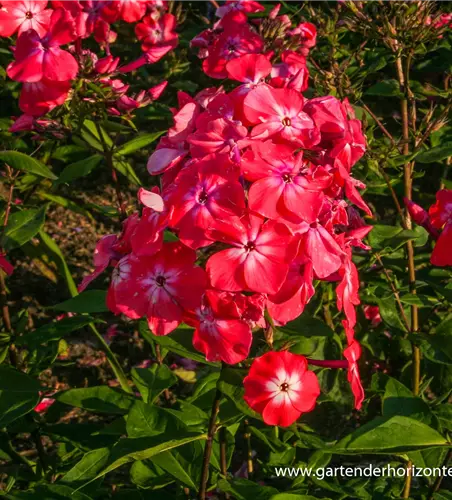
298,289
221,334
280,387
23,15
352,354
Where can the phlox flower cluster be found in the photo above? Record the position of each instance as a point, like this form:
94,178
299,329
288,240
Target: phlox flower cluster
48,71
438,222
255,203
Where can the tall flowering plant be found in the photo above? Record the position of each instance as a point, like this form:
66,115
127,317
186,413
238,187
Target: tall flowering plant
255,187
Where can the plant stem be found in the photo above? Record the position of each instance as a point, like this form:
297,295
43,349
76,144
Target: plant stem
108,155
208,446
394,291
223,458
114,363
249,451
407,181
439,479
8,448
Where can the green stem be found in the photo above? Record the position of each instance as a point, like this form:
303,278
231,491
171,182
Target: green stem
212,429
114,363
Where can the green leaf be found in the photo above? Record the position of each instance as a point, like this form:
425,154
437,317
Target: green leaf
25,163
389,435
89,301
146,420
172,465
129,450
22,226
231,384
79,169
88,467
53,331
394,237
137,143
243,489
126,169
293,496
386,88
50,492
399,400
19,394
101,399
435,154
54,251
66,203
91,136
307,326
151,382
179,342
444,415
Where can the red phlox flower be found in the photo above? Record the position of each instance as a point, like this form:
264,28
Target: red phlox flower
292,72
159,287
247,6
106,65
44,405
38,98
278,190
322,250
352,354
36,57
103,255
339,130
160,32
111,248
421,217
129,11
251,70
153,55
202,193
23,15
441,212
280,387
307,33
260,257
278,113
296,291
344,180
5,264
236,40
220,334
166,157
372,313
218,136
147,237
347,292
441,217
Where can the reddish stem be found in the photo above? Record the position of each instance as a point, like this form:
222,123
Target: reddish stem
341,363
